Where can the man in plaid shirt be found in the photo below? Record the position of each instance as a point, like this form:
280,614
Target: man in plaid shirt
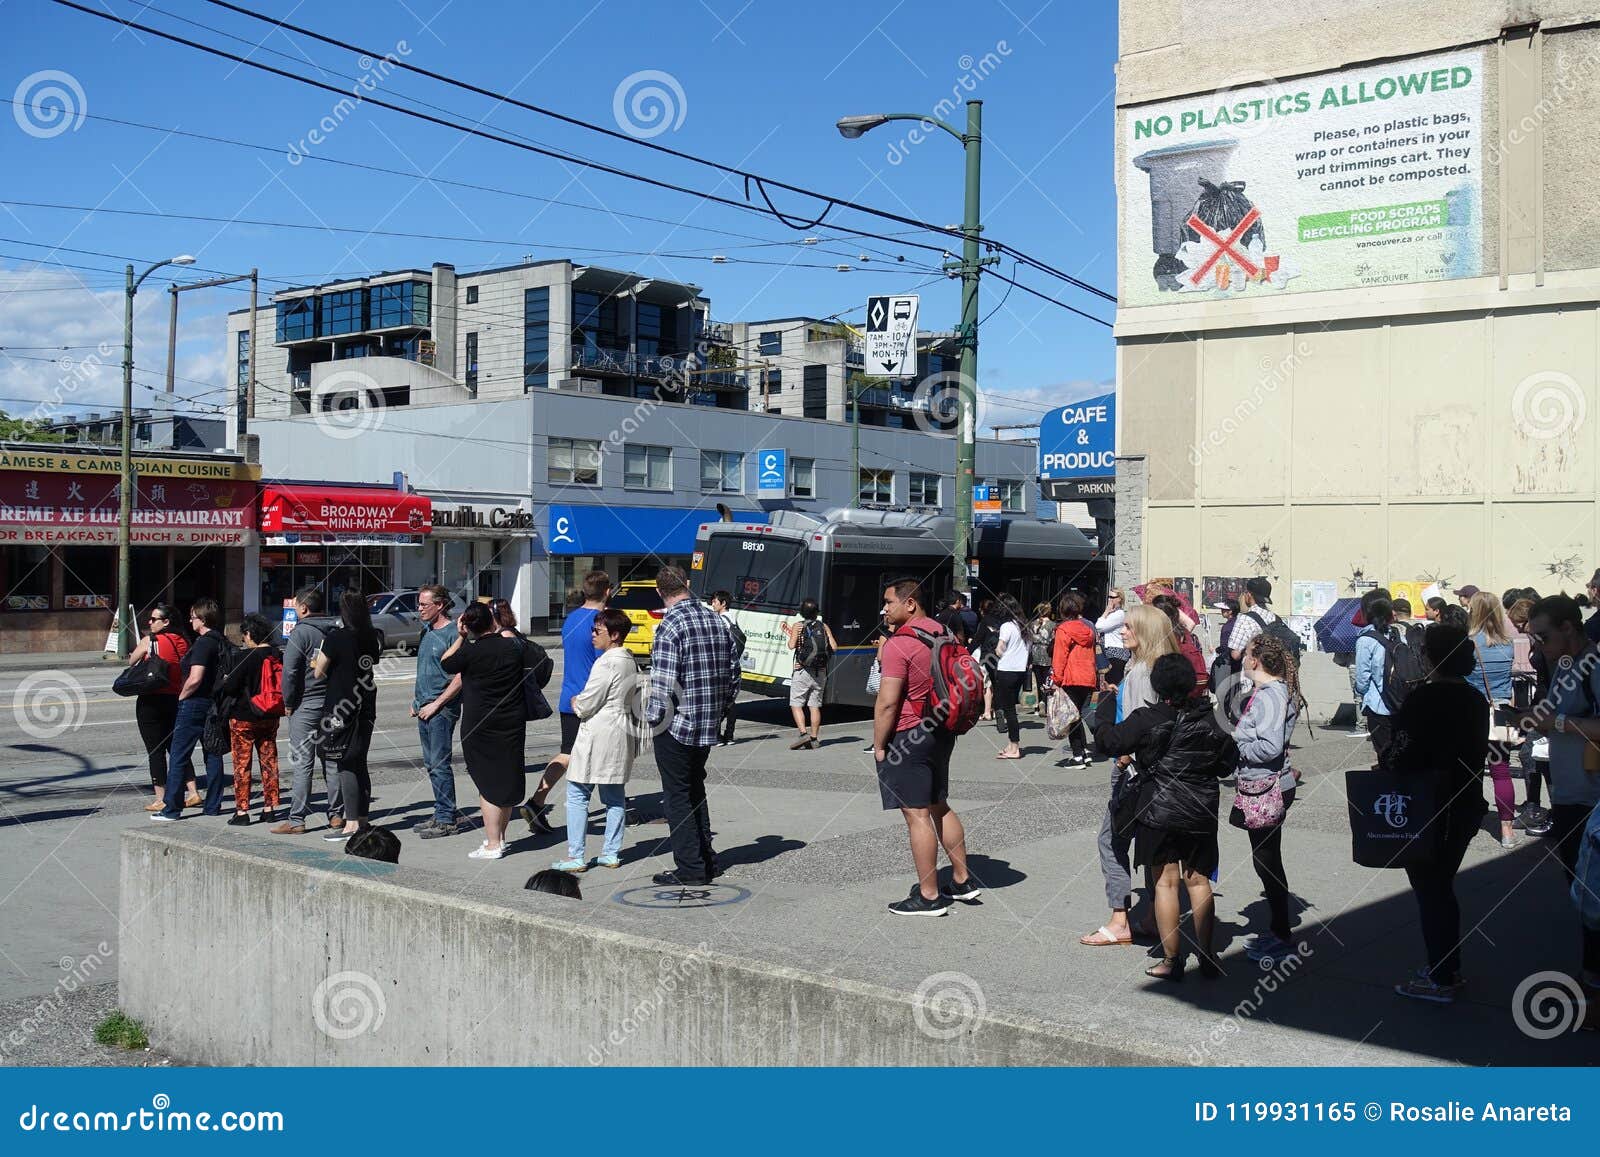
694,675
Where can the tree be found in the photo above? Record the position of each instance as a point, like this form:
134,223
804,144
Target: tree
25,430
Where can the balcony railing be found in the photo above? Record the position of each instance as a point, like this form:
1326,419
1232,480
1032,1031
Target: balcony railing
661,368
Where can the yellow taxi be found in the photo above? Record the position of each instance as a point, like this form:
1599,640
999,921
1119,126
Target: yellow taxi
640,602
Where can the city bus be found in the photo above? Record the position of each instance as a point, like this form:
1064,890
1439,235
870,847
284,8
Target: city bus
844,558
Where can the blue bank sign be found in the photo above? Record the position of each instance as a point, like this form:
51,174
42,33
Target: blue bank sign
666,530
1078,450
772,473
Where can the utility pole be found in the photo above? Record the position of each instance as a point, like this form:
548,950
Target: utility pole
972,142
855,437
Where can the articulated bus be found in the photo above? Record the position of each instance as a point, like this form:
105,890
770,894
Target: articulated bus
844,558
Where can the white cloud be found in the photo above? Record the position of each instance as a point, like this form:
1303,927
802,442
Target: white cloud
1028,404
42,311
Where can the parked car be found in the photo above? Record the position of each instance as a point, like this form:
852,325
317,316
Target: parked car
640,602
394,617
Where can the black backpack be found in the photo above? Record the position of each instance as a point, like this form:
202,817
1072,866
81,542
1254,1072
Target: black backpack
1282,631
812,652
1403,669
736,632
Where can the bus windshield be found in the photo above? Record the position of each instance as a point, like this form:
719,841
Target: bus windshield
757,569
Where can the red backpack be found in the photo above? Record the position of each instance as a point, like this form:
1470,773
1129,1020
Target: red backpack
956,700
268,700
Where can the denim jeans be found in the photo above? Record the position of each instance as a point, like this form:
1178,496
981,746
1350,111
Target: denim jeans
186,731
615,798
437,736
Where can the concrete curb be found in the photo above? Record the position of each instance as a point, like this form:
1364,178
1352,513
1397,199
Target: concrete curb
344,961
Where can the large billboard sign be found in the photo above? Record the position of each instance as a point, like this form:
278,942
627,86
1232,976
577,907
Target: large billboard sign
1370,176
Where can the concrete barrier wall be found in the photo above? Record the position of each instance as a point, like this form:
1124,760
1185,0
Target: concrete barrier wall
302,956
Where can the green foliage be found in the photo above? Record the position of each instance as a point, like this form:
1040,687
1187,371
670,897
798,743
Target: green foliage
23,430
119,1030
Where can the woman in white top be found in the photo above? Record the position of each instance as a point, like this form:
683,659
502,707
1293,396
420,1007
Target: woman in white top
1010,669
607,742
1108,628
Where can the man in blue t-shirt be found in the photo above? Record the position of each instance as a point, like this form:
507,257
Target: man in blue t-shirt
578,654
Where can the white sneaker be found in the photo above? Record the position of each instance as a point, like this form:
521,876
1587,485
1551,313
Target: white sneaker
485,852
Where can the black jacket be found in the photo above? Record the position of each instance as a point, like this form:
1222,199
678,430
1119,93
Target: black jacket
242,679
1180,755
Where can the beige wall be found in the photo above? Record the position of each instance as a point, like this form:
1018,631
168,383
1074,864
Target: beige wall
1411,431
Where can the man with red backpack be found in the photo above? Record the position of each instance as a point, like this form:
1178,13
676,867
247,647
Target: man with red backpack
930,690
252,695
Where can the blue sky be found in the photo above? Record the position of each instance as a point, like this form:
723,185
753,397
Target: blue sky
757,85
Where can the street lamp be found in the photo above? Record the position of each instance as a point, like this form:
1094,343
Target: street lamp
851,128
125,629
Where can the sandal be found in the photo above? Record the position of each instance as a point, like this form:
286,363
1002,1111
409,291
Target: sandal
1102,937
1003,755
1174,966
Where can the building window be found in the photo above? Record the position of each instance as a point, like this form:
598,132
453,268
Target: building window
573,462
594,324
771,343
814,392
774,381
535,338
472,295
25,578
647,467
924,490
400,303
297,319
877,486
242,357
472,362
802,477
721,472
344,312
1012,495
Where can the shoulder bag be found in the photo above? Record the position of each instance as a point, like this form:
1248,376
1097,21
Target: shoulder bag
1394,818
1258,804
146,677
1500,734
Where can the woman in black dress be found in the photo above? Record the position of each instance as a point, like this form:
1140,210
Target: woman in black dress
348,662
493,728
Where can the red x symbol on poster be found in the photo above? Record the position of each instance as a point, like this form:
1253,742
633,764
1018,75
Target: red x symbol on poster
1224,246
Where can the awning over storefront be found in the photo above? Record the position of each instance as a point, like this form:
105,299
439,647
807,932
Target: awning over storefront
575,529
343,515
55,499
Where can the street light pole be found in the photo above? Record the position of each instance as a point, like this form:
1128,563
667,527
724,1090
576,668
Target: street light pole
966,450
969,268
125,627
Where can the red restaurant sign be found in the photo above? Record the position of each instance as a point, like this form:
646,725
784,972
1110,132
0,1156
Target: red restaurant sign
332,512
81,509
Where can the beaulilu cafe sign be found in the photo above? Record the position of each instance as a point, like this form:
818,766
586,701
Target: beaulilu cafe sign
1078,450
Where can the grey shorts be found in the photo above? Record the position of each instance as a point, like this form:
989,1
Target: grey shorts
805,689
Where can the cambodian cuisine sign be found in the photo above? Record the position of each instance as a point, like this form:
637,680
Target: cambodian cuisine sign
1366,177
57,508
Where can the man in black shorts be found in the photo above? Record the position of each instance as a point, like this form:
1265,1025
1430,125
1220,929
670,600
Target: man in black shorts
913,756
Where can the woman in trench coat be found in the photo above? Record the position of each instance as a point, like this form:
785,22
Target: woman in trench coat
608,741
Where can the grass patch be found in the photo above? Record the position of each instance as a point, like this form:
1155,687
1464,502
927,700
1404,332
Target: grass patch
119,1030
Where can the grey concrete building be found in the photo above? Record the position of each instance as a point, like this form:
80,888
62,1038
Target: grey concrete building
1357,324
157,427
808,367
